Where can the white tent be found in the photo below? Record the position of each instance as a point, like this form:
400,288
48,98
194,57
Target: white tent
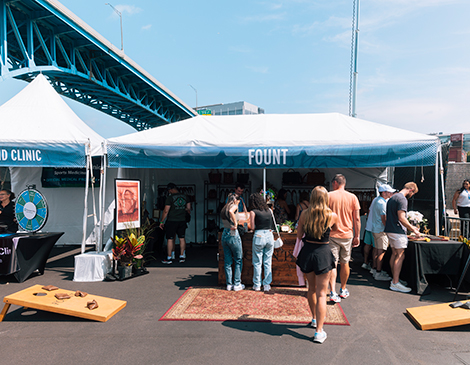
40,130
275,141
329,140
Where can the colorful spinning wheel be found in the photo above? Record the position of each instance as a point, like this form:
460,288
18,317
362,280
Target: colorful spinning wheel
31,210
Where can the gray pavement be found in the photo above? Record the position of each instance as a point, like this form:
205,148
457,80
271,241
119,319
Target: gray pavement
380,332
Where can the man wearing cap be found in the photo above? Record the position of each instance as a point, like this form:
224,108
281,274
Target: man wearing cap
378,217
176,206
395,227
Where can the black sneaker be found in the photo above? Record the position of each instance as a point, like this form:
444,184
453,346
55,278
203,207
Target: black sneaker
182,259
167,261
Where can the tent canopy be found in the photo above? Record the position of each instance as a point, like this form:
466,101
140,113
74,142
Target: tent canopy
40,129
282,141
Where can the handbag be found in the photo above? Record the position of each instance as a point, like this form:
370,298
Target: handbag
277,243
243,177
228,177
215,177
315,177
291,177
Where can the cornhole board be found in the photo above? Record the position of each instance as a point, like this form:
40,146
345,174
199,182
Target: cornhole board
75,306
439,316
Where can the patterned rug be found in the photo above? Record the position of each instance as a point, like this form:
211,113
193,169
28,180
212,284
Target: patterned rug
286,305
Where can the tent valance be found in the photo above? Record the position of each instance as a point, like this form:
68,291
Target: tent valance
274,141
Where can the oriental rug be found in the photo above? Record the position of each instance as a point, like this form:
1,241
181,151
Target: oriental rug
283,305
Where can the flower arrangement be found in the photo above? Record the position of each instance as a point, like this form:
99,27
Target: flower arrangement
130,245
418,220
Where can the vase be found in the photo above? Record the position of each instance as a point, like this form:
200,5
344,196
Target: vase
125,271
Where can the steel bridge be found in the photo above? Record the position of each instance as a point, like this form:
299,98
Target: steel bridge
44,36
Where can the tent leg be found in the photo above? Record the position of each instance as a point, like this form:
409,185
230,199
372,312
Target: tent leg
85,213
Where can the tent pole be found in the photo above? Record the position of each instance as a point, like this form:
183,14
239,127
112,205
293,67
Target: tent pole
441,172
85,213
103,185
264,183
436,194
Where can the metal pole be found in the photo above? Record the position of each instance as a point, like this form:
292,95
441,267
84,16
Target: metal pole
356,41
120,17
195,92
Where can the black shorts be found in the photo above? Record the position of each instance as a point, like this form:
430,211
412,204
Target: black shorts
174,228
316,257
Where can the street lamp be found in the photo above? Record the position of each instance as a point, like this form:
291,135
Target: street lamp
120,17
195,92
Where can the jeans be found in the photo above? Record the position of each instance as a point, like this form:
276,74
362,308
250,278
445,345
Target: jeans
263,248
233,253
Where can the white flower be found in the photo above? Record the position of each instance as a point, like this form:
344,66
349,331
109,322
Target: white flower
415,216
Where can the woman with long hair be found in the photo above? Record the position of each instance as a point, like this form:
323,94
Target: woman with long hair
263,241
315,258
232,243
281,209
7,210
461,205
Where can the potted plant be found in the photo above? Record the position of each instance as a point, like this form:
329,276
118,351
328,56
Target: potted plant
129,249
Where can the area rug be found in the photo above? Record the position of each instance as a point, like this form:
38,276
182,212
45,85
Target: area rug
284,305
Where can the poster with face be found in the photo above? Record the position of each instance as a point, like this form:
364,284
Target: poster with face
127,204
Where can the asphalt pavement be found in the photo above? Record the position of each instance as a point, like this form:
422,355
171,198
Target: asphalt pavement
380,331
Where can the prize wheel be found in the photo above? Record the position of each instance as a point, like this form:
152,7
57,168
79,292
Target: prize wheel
31,210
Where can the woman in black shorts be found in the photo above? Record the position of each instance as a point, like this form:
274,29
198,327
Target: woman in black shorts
315,258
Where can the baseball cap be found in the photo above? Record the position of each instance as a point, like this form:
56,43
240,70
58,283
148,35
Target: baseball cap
387,188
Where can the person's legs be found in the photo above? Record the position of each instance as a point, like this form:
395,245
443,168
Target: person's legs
268,258
320,294
366,253
398,257
344,274
335,250
312,298
237,251
170,243
227,261
257,257
374,258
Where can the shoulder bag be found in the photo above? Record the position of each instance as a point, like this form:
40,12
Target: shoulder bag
277,243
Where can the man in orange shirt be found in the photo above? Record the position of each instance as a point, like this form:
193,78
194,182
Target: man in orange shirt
345,234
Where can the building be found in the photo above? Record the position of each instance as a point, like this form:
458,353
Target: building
238,108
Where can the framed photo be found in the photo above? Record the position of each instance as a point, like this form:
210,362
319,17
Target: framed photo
127,204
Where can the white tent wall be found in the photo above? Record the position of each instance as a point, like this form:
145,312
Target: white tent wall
366,178
66,205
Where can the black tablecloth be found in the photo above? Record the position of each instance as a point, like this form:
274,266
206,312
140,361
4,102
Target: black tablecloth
31,253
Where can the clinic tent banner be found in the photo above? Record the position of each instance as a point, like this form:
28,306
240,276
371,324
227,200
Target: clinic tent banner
329,140
39,129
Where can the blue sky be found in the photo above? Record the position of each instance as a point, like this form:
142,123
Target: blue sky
293,56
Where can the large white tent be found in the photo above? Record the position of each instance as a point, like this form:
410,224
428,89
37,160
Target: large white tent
330,141
40,130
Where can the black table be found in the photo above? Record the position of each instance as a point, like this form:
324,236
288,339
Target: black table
31,253
434,257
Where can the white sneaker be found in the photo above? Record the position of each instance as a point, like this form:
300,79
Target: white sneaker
267,287
334,297
256,287
238,287
229,287
373,271
382,276
403,282
399,287
366,266
319,337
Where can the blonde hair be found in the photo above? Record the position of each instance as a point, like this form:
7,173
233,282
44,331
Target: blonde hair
412,186
319,215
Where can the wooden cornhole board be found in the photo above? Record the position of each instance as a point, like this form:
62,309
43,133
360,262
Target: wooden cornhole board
439,316
75,306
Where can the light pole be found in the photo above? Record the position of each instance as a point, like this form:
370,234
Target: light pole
120,17
195,92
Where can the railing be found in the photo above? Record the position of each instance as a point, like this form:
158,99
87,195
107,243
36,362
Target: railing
457,227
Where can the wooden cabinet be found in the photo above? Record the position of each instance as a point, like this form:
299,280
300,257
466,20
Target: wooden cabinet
283,266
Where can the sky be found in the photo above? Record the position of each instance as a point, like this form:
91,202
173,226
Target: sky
294,56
